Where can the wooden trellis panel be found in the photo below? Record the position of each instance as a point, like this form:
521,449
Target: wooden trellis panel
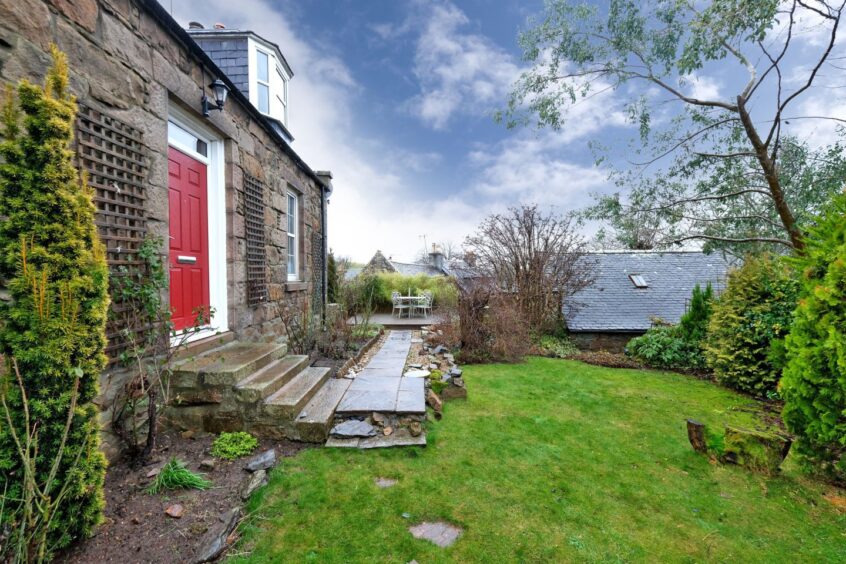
256,255
113,155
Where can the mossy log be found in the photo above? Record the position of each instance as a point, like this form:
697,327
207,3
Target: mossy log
756,450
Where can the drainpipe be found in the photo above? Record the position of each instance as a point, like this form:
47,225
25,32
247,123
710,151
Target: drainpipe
325,193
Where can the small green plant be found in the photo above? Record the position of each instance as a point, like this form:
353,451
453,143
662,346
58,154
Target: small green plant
677,346
234,445
175,476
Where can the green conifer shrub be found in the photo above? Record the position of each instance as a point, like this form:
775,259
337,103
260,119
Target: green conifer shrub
54,269
814,382
748,324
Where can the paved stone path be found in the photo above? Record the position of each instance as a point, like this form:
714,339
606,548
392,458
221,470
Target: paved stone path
381,386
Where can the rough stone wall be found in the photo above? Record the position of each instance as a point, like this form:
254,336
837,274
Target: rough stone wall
611,342
124,63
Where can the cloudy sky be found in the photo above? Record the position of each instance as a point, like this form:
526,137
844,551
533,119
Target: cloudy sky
395,97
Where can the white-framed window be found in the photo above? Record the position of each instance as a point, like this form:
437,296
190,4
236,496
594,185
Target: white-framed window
293,237
262,81
282,94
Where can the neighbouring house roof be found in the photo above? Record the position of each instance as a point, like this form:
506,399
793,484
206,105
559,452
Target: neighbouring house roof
632,288
415,268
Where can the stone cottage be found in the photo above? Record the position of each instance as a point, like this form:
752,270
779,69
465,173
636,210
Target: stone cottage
634,290
169,154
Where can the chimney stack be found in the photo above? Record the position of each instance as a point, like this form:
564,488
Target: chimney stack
219,26
436,257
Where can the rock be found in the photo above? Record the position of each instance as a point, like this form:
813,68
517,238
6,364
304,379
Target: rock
458,382
455,371
207,464
261,461
450,358
378,418
756,450
416,340
440,349
439,533
251,483
415,366
415,428
385,482
433,401
387,431
189,434
175,510
216,539
353,428
417,374
154,472
433,366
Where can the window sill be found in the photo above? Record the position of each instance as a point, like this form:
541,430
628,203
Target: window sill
296,286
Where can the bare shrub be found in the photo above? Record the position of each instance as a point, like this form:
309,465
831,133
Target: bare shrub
536,256
302,327
492,325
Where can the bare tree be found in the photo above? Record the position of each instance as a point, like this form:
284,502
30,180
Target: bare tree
538,256
580,50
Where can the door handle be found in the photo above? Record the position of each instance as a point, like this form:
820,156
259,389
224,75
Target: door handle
182,259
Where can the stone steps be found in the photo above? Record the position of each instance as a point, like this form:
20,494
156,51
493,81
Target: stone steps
231,385
226,365
293,396
268,380
317,417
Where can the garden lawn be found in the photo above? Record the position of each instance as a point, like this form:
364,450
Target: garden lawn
550,460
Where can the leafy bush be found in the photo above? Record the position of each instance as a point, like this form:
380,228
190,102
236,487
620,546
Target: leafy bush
749,320
234,445
444,292
175,476
492,327
677,346
554,346
814,382
54,321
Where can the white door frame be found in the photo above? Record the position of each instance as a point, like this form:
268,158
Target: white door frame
216,180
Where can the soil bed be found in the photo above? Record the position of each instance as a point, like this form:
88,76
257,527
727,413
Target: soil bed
136,528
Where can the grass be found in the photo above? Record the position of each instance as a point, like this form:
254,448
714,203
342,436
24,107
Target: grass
174,476
550,461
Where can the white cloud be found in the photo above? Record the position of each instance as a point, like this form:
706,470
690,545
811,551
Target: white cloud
457,71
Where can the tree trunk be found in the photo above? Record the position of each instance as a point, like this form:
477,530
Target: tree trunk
771,175
696,436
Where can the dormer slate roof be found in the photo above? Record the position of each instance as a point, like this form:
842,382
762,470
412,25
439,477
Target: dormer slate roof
614,304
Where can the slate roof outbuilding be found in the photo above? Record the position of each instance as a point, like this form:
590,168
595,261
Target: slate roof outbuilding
614,304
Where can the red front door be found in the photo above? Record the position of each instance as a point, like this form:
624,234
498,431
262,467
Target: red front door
189,238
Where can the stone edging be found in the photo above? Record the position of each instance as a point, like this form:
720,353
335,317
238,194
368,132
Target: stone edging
360,354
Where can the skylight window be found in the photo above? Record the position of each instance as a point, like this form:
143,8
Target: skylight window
638,280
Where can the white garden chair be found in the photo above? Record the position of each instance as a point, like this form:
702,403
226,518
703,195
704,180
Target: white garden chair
398,305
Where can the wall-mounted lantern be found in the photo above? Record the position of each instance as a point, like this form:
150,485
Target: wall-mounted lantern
220,92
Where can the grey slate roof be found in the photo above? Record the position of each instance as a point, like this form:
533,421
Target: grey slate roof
415,268
613,303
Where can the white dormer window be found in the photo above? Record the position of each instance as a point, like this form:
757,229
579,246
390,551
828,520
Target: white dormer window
268,81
